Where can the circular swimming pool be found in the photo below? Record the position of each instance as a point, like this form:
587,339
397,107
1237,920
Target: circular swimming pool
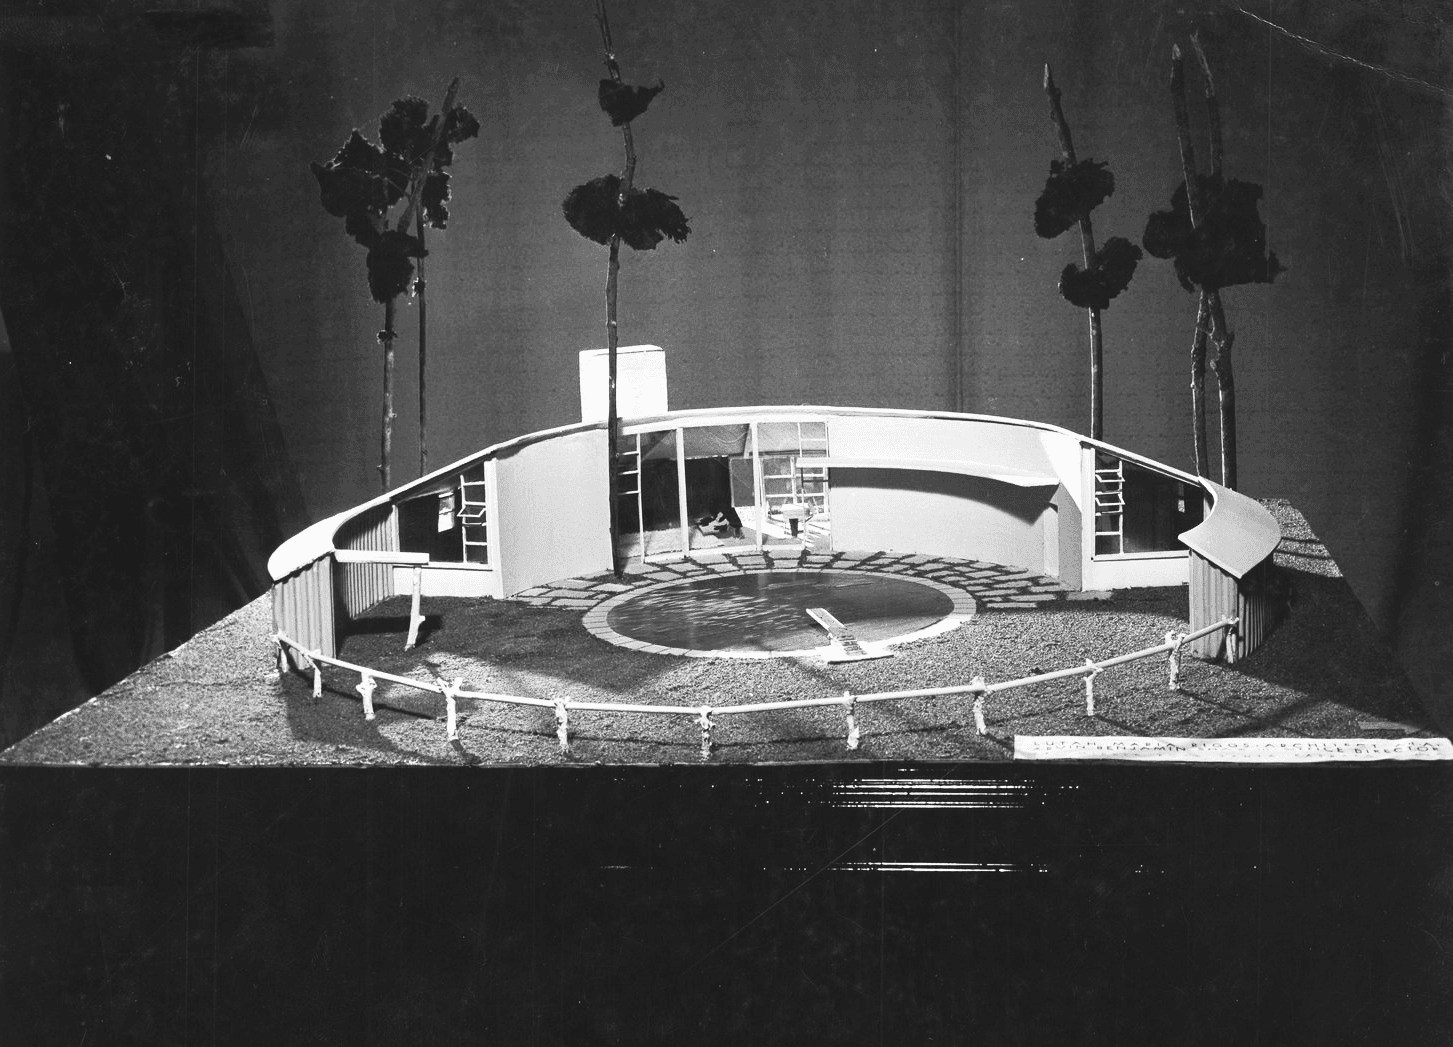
764,614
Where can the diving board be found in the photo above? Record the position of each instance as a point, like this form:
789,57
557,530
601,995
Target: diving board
845,646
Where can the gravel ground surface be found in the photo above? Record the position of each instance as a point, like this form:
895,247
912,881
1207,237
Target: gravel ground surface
219,698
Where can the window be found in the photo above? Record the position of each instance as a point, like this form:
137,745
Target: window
788,475
448,521
1139,510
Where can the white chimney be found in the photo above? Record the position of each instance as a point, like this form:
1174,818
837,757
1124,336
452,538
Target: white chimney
640,382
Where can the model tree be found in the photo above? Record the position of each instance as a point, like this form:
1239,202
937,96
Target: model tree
364,183
1074,189
1216,238
610,210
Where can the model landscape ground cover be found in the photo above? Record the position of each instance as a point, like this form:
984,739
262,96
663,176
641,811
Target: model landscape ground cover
219,699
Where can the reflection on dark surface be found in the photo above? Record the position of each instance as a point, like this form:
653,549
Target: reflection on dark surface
767,611
691,905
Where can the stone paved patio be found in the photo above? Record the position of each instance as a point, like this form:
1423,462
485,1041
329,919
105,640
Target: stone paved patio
994,587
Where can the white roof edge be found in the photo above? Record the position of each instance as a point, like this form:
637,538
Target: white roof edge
824,410
316,539
1210,539
724,413
1238,534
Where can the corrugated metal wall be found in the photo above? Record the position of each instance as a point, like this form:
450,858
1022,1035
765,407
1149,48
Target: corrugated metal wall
361,585
1260,605
1212,597
1216,595
302,607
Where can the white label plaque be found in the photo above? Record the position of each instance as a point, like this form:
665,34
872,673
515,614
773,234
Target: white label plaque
1229,750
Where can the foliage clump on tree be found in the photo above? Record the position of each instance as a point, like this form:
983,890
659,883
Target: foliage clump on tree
1075,188
1215,236
364,182
610,210
1228,247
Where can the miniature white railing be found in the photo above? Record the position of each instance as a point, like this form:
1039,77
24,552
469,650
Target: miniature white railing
704,714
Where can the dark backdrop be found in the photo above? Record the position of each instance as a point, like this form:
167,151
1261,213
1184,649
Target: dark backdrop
194,342
190,375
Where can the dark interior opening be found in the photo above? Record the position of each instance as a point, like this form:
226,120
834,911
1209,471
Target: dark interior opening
708,487
1158,509
419,528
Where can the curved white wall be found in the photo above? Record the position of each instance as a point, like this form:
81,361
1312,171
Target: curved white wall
943,514
976,489
552,510
971,487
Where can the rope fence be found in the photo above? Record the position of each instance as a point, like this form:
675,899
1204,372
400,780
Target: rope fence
705,715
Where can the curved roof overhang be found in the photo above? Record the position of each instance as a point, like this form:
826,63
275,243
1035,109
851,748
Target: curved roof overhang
1236,535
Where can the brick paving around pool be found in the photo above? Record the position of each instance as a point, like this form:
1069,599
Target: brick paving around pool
993,587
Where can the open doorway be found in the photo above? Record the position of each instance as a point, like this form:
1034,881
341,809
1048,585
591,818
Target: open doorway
719,512
735,486
687,489
648,495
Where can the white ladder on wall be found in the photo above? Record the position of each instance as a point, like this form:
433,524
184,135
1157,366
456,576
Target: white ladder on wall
473,519
629,483
1110,508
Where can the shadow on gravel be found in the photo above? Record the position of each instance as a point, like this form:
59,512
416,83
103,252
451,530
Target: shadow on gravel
1328,649
481,639
336,718
395,625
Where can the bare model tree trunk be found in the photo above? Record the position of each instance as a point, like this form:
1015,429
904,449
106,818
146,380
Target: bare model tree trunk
1198,387
414,214
423,349
386,336
612,332
612,439
1210,307
1087,245
1221,333
1226,387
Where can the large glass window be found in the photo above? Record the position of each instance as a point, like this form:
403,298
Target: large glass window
724,500
793,488
1139,510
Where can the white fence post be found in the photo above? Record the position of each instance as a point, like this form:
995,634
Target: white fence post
705,720
451,709
415,618
562,725
1173,668
365,688
317,674
1091,671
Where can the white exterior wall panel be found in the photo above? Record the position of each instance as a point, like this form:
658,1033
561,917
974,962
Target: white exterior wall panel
943,514
551,511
